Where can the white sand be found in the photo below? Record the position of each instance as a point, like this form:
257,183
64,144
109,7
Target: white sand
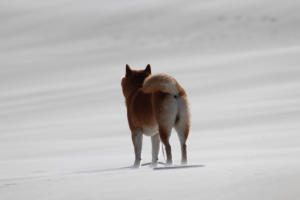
63,127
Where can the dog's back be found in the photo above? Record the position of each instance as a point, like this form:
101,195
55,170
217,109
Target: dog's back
140,111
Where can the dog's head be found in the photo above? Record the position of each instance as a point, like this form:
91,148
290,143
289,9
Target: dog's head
134,79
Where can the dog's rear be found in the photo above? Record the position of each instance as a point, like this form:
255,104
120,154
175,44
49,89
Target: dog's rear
171,109
164,105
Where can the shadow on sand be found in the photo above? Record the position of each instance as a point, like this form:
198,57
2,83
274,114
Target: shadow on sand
163,167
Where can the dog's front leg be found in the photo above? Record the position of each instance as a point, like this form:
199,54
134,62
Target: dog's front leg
155,149
137,139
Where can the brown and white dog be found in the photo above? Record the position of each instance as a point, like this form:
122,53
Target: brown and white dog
155,104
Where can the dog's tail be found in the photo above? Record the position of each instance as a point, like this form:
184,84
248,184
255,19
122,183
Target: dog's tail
161,83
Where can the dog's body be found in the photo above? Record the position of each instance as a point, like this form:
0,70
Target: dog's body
155,104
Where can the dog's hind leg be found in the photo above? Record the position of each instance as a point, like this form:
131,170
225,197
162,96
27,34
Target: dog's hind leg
155,149
137,139
182,127
165,107
164,136
182,132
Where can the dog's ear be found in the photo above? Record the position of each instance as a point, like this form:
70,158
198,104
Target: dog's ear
128,70
148,69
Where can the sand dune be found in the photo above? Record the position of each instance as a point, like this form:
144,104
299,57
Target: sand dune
64,133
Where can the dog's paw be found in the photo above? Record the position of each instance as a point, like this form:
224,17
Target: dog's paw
154,164
136,164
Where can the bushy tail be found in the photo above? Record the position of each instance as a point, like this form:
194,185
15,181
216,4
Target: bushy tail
160,83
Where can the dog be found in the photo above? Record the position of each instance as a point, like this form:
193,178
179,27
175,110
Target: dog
155,104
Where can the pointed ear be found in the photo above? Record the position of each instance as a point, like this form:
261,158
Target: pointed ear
148,69
128,70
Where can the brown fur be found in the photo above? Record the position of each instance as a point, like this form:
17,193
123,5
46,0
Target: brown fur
156,108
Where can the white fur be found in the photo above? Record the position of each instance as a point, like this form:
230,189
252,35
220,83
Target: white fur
155,148
150,131
138,143
184,117
168,112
